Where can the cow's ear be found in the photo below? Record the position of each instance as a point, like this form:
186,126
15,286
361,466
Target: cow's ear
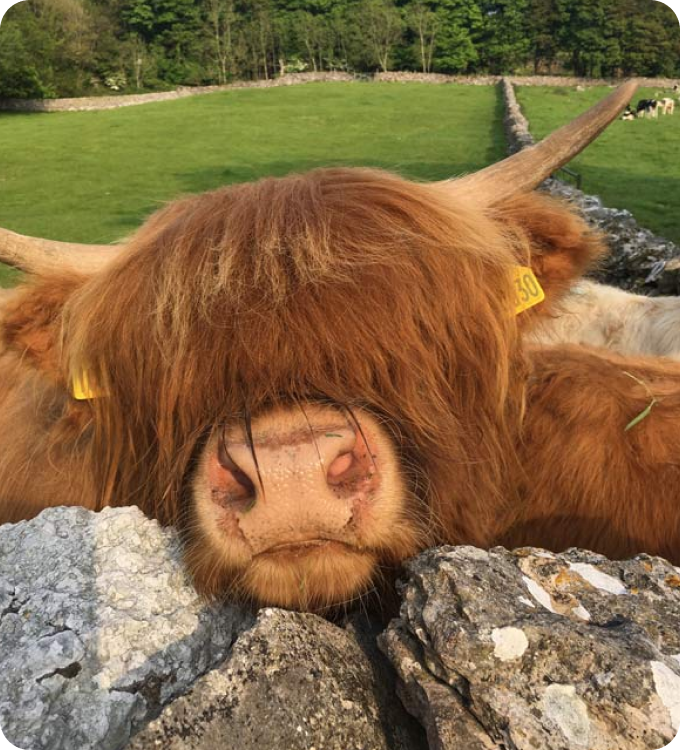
31,322
554,240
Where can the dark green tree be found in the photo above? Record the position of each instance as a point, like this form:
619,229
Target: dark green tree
461,22
544,19
504,44
75,47
383,28
20,76
649,40
582,34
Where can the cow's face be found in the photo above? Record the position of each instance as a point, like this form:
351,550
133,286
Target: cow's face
300,506
315,377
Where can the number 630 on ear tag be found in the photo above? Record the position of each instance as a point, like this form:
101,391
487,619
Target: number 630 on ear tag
528,292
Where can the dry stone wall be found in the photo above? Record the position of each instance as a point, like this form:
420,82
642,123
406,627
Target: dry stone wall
105,645
90,103
488,80
83,104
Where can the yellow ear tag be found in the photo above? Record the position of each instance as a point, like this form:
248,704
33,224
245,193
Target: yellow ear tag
83,390
528,292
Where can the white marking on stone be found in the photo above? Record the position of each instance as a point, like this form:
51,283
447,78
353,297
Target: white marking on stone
676,657
581,612
598,579
511,643
667,684
539,593
528,602
561,704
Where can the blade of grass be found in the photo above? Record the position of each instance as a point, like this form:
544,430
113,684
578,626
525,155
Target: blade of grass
646,411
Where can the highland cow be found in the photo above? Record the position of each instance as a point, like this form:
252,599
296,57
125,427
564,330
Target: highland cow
317,376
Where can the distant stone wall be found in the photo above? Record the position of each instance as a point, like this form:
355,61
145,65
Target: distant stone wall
639,260
90,103
412,77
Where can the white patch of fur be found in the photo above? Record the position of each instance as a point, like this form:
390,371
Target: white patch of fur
599,315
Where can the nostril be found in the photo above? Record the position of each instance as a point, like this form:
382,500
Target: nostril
238,489
339,467
350,464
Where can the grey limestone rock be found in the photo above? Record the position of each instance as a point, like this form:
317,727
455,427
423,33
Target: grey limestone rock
99,628
527,649
104,643
294,681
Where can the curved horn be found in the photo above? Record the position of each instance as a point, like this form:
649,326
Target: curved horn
527,169
36,255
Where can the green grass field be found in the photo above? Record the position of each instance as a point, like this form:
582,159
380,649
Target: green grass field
94,176
633,165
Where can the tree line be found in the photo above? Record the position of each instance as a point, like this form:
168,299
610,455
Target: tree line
54,48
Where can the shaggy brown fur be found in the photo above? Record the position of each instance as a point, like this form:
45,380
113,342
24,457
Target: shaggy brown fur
44,432
349,285
588,481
